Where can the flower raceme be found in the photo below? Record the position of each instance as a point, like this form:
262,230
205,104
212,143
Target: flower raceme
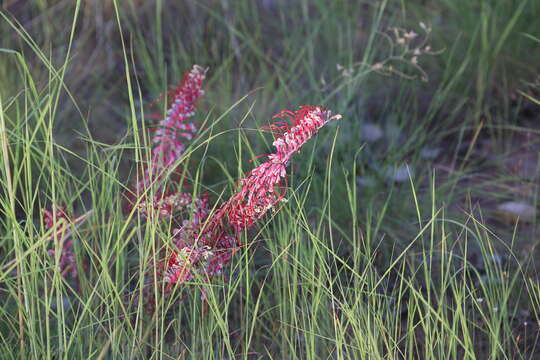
205,242
173,127
169,146
173,130
259,191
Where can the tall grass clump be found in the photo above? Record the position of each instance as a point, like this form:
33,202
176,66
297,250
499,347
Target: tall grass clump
161,232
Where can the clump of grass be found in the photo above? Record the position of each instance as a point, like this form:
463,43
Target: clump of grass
346,269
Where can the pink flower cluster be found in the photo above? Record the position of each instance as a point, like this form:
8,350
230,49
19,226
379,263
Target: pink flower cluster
263,187
165,206
207,249
173,129
52,220
169,146
203,243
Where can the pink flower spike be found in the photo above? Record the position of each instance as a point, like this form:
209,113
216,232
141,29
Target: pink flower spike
206,247
258,190
182,107
172,132
182,264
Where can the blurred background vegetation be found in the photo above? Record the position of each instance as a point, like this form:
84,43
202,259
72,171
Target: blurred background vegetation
465,107
441,94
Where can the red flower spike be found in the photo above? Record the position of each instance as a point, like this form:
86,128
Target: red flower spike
206,247
257,192
182,100
168,137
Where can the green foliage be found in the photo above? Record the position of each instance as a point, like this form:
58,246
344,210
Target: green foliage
357,264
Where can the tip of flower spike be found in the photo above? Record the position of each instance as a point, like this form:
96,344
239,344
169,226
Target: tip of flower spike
191,78
200,69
